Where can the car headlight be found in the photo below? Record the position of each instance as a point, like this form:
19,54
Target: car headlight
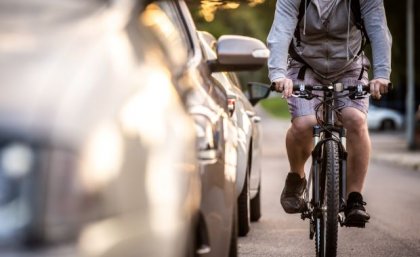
16,160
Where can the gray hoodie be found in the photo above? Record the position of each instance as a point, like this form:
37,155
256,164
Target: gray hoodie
330,46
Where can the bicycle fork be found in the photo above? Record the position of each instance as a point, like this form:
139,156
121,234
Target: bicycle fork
343,175
314,176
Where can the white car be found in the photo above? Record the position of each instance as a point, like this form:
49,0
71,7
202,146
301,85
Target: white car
380,118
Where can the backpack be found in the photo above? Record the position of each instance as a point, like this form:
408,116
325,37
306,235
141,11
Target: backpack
355,8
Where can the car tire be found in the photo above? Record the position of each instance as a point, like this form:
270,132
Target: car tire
388,124
233,247
244,207
191,246
256,205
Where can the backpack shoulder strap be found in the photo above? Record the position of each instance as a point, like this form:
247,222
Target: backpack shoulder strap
355,8
292,52
302,9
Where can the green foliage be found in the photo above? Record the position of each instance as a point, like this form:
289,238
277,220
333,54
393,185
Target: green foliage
277,107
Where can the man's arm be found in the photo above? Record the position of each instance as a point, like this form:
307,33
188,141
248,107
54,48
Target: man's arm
280,36
373,13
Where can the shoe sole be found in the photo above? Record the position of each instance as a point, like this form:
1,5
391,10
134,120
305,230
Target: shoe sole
289,209
356,220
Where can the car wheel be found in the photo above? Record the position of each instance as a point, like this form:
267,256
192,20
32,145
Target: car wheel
192,243
388,125
233,247
256,205
244,208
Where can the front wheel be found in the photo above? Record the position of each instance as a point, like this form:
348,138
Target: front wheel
326,220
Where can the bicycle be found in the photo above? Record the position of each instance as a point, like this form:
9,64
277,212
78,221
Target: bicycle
327,177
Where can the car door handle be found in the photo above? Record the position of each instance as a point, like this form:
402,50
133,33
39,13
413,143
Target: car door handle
253,116
256,119
250,114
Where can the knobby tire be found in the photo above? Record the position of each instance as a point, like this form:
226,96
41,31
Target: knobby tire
326,224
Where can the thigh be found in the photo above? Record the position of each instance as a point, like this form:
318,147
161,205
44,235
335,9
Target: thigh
299,107
351,77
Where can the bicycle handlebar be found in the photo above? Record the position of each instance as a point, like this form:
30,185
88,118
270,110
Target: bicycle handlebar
338,87
355,91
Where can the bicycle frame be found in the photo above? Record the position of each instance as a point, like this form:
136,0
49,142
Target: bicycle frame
321,134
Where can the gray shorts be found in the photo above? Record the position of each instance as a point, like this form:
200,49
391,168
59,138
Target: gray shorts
302,107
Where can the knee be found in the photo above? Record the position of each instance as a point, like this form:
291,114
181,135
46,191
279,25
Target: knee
302,126
355,122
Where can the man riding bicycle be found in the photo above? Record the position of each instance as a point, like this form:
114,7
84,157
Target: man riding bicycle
321,42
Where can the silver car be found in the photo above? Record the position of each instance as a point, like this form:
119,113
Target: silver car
209,104
248,179
97,150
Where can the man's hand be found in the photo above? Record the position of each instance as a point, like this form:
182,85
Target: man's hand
285,86
378,87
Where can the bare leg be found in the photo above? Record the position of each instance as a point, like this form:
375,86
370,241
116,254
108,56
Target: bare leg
358,147
299,143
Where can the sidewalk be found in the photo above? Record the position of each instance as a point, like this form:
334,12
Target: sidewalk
392,148
387,147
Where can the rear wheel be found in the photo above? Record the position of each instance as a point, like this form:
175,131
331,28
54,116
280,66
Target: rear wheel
256,205
326,222
233,248
244,207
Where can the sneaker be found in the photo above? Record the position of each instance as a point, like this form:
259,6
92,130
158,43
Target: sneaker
356,215
291,198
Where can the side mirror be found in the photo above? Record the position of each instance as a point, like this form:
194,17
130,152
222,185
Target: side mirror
257,91
239,53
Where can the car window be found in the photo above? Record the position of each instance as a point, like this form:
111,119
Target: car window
161,17
164,18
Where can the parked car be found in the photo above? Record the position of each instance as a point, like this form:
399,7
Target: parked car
380,118
248,182
210,105
98,154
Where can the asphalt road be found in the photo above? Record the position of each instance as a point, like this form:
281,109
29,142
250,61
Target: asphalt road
392,194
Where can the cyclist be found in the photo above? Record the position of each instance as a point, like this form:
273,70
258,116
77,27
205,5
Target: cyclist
321,42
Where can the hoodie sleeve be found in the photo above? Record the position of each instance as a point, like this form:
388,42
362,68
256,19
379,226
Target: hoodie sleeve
280,36
373,13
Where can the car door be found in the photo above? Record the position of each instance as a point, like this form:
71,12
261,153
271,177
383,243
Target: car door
207,104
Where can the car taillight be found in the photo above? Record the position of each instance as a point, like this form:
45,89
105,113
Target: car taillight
231,105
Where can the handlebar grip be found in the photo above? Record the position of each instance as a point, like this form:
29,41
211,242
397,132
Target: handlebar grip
273,87
390,87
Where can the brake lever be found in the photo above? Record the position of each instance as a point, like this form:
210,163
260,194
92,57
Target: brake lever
358,95
307,95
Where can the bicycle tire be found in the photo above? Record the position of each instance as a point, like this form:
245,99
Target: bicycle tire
326,224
